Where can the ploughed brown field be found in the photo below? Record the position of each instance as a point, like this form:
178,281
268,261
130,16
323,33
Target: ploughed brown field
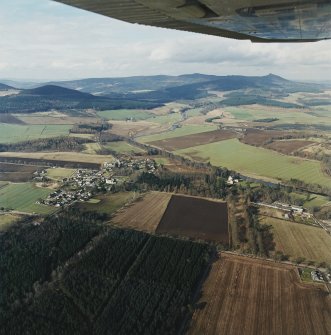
197,218
289,146
17,172
256,297
188,141
260,137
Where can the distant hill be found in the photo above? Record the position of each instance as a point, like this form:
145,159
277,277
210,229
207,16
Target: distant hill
49,97
19,84
58,92
151,91
4,87
104,86
191,86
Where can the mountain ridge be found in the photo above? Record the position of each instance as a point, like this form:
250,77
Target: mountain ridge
121,85
4,87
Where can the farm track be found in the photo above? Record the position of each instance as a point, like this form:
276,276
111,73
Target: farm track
253,296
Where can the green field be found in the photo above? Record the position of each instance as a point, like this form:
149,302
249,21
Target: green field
107,203
284,115
123,147
300,240
258,162
168,119
59,173
124,114
316,201
161,160
92,148
11,133
182,131
22,197
194,111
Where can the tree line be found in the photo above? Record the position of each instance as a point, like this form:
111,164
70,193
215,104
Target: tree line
61,143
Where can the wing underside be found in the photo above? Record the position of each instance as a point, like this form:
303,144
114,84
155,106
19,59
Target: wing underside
257,20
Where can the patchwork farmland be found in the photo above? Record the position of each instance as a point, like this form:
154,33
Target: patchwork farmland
259,297
178,215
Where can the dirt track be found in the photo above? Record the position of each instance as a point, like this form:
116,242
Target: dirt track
256,297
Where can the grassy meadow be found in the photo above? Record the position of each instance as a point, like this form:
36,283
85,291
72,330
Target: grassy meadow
22,197
12,133
168,119
285,115
182,131
300,240
124,114
107,203
59,173
123,147
258,162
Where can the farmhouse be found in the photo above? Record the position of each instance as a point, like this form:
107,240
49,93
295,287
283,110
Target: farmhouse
232,181
289,208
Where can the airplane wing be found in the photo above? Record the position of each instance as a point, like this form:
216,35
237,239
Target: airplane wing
255,20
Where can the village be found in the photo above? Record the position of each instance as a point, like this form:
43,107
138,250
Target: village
85,183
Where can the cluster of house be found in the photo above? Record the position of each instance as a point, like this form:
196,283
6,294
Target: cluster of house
85,178
80,187
61,198
86,182
289,210
135,164
40,175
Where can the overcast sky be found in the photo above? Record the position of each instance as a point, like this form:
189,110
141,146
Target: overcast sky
44,40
